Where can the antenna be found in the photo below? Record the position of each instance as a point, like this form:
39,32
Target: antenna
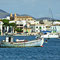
51,13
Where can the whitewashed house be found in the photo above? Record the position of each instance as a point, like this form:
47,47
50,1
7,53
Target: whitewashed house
55,28
33,22
38,27
7,17
1,24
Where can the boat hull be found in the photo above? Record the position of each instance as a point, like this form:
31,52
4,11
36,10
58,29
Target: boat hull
49,36
34,43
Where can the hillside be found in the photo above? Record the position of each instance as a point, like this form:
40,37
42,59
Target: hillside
3,14
46,18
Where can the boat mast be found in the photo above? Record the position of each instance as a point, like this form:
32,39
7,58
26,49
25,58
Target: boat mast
51,15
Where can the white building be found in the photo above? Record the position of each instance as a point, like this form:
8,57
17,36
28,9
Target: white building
47,22
33,22
43,27
38,27
55,29
21,23
56,22
1,23
8,18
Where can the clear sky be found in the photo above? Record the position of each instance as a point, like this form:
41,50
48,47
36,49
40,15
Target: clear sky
35,8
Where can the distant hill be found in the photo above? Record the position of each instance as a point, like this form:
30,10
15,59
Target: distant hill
44,18
28,15
3,14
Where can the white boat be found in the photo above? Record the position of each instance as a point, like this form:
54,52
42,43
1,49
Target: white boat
49,35
21,43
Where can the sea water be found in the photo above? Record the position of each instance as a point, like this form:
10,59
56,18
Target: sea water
49,51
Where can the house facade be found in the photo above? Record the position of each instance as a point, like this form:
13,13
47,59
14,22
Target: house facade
1,25
55,29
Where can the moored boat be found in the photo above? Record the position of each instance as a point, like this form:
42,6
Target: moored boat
49,35
21,43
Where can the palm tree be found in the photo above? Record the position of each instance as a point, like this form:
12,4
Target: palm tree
7,25
18,29
13,26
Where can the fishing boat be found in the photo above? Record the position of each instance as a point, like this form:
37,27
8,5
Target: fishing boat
9,42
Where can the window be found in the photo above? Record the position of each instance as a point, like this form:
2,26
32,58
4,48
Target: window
36,30
31,27
37,27
21,24
17,25
40,28
47,26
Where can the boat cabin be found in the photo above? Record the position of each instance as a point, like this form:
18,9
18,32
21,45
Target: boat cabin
9,38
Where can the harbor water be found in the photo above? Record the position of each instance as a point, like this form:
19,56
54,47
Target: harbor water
49,51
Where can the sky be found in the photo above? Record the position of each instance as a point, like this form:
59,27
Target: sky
35,8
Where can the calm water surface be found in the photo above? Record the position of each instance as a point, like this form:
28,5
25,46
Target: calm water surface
50,51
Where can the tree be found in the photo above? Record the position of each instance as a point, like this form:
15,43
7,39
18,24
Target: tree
12,24
6,22
18,29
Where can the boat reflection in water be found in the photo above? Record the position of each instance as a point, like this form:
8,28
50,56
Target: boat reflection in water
9,43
